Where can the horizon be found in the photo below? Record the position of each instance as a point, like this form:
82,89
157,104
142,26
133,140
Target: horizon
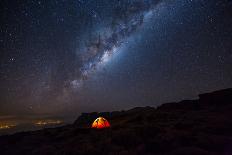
10,124
62,58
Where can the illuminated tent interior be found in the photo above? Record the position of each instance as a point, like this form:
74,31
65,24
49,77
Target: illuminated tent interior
100,123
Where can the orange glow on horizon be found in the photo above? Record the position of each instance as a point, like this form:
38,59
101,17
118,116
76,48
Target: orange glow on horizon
6,126
47,122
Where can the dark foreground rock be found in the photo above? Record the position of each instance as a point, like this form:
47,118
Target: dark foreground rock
191,127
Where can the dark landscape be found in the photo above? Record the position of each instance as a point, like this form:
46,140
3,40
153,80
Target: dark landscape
189,127
116,77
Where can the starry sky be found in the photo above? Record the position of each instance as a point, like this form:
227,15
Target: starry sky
64,57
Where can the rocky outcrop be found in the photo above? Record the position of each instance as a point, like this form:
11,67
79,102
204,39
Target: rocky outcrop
193,127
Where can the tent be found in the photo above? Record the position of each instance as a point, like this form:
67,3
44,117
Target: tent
100,123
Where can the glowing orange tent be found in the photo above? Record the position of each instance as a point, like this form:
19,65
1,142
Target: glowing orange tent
100,123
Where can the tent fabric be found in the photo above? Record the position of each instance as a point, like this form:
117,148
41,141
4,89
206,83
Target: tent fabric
100,122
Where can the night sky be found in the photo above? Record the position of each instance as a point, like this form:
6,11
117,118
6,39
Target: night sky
64,57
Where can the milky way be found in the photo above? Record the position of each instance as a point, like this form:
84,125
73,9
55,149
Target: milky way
110,38
64,57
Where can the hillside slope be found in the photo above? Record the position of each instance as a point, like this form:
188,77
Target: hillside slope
193,127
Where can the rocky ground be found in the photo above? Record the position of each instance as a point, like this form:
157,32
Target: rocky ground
191,127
